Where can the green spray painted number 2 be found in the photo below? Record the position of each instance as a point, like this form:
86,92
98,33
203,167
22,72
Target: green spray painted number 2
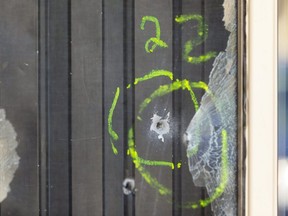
156,40
202,32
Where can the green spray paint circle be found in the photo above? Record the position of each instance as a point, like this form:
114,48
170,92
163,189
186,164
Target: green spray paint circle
139,162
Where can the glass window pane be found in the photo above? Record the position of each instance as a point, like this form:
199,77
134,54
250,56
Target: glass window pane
122,107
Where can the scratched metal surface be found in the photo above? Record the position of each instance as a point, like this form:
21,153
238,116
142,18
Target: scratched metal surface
59,101
86,108
149,147
19,97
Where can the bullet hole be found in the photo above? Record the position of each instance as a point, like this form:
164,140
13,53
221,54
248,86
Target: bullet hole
160,125
128,186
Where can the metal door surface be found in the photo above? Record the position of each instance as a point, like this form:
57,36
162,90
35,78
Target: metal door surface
123,107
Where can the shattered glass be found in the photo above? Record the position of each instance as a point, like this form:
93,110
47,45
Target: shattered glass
216,114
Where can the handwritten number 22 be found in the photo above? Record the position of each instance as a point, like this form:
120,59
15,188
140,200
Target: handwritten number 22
202,32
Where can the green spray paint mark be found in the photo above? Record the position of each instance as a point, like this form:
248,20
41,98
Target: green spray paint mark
184,85
114,136
155,163
155,40
161,91
153,182
199,59
224,176
139,162
166,89
199,85
114,149
155,21
151,75
204,86
202,32
166,191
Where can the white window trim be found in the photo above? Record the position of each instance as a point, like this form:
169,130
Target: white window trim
261,184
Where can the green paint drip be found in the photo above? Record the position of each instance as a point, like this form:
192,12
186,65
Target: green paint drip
153,74
166,89
114,149
114,136
202,32
155,40
224,176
